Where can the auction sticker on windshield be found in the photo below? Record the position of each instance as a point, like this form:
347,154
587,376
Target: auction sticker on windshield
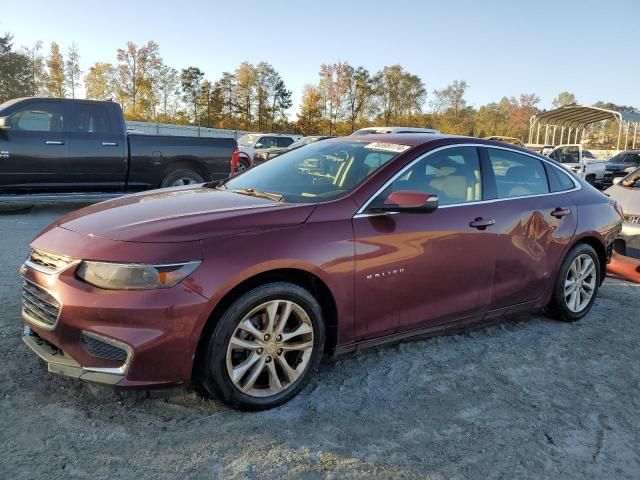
387,147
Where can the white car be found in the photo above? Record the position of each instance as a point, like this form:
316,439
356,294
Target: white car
251,143
576,159
370,130
626,191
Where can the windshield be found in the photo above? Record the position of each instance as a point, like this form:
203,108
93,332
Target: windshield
248,140
317,172
632,180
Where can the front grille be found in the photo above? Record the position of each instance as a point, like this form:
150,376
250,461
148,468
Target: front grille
48,262
632,219
38,305
101,349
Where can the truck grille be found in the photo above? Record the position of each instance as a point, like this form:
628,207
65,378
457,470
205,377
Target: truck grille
101,349
632,219
38,305
48,262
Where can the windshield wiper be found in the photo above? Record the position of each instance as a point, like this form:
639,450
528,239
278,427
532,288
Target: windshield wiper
252,192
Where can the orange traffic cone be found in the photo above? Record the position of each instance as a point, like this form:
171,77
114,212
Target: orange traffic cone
624,267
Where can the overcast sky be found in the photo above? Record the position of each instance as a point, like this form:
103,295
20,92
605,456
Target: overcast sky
499,47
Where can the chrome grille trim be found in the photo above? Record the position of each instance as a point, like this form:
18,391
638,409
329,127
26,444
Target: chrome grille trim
39,306
47,262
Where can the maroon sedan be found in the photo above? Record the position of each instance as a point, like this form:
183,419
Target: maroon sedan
242,286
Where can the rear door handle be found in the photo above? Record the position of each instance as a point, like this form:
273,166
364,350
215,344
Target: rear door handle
109,144
561,212
54,142
482,223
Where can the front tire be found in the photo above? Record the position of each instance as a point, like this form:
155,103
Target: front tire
576,285
264,347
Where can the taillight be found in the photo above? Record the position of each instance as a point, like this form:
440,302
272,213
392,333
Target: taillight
235,160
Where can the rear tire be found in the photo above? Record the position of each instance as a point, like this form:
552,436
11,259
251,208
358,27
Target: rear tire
576,285
264,347
243,165
181,177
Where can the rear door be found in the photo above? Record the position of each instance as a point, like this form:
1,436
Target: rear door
34,148
97,147
535,219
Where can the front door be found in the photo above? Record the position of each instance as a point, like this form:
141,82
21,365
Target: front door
416,270
34,147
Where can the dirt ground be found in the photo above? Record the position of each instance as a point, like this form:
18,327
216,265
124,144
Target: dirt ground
530,398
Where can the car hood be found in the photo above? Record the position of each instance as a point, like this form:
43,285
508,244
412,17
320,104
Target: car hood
617,166
182,214
628,198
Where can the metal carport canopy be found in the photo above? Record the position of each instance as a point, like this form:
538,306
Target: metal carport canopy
575,118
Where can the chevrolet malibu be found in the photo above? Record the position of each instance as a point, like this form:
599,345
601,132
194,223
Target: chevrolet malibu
240,287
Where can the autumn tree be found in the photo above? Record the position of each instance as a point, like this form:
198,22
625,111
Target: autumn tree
15,71
73,71
563,99
99,82
334,80
451,110
398,93
135,78
245,81
55,77
166,82
310,114
227,88
191,83
281,100
357,96
36,65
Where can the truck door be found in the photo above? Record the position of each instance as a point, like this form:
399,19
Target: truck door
34,147
97,147
570,157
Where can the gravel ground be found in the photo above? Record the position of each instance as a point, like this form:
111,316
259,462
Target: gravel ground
530,398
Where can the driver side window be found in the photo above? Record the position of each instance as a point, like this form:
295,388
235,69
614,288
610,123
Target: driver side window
453,174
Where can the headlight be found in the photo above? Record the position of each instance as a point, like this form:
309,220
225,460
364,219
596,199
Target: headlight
134,276
262,155
630,169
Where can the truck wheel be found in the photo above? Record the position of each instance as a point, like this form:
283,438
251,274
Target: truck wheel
180,177
264,347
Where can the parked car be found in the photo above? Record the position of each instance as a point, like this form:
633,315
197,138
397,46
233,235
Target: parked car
253,143
626,191
270,153
338,245
621,165
387,130
61,145
511,140
580,161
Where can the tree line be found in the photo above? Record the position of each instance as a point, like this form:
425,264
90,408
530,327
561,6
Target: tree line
255,97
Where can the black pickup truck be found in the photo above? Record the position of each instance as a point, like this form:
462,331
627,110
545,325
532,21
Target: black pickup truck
62,145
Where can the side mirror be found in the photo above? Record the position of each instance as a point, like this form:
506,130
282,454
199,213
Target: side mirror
5,122
259,145
617,180
410,201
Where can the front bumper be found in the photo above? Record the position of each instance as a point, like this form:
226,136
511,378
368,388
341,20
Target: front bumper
127,339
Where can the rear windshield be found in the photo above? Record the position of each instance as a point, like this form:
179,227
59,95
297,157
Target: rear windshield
317,172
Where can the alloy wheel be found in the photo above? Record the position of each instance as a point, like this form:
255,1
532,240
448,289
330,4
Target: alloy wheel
580,283
270,348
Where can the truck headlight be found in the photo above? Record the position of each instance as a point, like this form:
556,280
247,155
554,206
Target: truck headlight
134,276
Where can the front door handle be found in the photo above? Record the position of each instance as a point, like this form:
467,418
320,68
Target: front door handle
482,223
109,144
561,212
54,142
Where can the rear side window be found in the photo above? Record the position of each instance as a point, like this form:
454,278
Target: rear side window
39,117
91,119
284,141
633,158
558,181
517,175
